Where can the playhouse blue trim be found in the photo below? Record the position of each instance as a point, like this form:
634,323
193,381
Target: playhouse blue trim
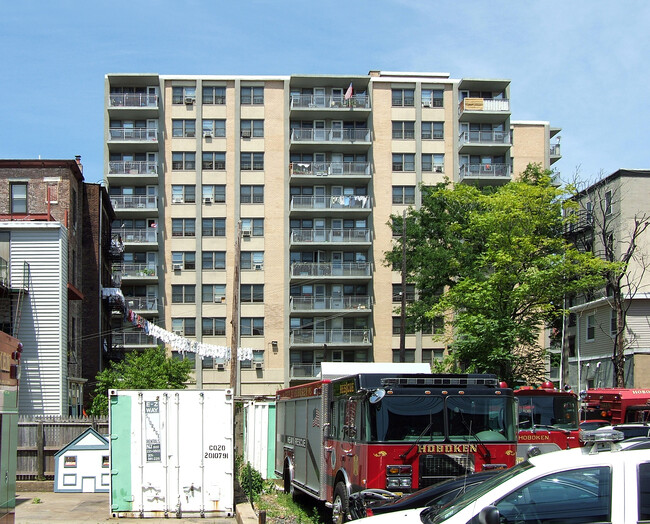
74,446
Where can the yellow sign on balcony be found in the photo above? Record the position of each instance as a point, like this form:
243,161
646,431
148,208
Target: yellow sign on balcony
473,104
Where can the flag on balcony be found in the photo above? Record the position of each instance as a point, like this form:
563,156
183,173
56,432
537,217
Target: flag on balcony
348,93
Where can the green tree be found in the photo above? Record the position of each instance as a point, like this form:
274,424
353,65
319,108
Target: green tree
149,369
496,263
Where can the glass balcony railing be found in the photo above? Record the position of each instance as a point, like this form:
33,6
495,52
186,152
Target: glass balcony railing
124,167
305,371
361,101
335,269
133,134
329,168
126,338
331,202
330,336
142,303
484,171
133,100
121,202
484,138
137,236
338,303
555,150
331,135
330,236
137,270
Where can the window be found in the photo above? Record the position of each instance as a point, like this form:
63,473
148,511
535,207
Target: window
252,161
105,461
403,162
251,194
183,227
254,226
214,95
252,95
251,293
252,128
432,355
608,203
183,194
213,227
213,260
184,128
403,97
183,160
258,358
409,355
252,260
215,128
403,130
183,95
432,97
18,198
213,326
252,326
591,327
397,326
613,323
214,161
572,345
213,293
433,162
570,497
403,194
433,130
184,326
214,193
186,259
410,292
183,294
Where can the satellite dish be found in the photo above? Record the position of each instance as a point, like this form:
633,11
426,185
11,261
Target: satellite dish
376,395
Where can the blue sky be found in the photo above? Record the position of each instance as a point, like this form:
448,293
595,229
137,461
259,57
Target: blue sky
579,64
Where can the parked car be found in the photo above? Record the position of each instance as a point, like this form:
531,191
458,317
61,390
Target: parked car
630,430
375,502
588,425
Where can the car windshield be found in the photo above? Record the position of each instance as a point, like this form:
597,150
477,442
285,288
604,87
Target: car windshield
472,495
559,411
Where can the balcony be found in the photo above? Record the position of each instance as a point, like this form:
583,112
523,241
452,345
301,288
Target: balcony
333,337
579,222
139,236
554,153
360,101
330,236
142,305
485,174
475,141
349,303
133,134
133,100
331,269
134,203
138,271
331,202
348,170
331,135
123,339
115,298
304,371
484,109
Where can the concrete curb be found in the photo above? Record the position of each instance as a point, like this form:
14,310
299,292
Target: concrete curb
244,514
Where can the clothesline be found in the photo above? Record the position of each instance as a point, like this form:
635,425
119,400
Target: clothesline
185,345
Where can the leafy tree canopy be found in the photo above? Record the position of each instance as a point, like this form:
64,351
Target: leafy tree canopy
150,369
496,264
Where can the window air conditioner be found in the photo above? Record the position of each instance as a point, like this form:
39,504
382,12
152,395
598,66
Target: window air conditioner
178,332
221,366
246,232
258,267
177,267
245,133
427,104
207,200
207,134
258,365
190,100
219,300
177,199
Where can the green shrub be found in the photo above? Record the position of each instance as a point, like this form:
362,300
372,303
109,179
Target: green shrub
251,481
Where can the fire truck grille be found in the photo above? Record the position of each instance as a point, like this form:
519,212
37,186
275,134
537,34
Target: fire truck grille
436,468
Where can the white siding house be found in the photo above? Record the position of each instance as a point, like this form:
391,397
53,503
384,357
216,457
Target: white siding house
83,465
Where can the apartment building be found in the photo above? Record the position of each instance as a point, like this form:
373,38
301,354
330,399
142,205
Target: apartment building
608,213
309,168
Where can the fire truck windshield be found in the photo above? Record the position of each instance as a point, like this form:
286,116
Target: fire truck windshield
549,411
407,418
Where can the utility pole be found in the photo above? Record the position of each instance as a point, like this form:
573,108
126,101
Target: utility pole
234,322
402,319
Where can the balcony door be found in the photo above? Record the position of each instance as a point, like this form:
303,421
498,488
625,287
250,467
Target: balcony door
152,129
337,296
320,200
320,330
152,196
320,165
152,260
337,262
337,163
319,131
319,96
320,233
320,300
337,130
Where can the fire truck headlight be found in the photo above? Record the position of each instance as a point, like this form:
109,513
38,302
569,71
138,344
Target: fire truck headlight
392,483
398,477
405,482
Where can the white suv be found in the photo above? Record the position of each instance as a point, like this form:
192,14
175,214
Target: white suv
602,482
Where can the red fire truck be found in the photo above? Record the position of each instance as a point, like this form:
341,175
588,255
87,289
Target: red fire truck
391,431
617,405
548,419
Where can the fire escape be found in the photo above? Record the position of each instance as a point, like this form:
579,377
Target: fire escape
13,292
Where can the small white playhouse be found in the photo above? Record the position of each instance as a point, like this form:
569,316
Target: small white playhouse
83,465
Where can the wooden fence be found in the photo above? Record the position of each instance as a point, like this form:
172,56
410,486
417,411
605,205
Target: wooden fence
40,438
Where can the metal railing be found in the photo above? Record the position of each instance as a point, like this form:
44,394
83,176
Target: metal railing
484,137
134,202
142,303
326,269
329,101
329,168
127,167
330,336
138,236
127,338
331,135
484,170
300,371
555,150
133,100
138,270
330,235
133,134
331,202
338,303
484,104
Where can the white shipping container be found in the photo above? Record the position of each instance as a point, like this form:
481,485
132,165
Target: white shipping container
171,453
259,437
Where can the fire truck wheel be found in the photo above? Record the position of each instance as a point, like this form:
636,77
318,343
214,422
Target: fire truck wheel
340,506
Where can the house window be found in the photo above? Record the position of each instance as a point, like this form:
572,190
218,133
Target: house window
436,327
254,226
252,128
213,326
252,259
409,355
403,97
432,355
215,128
397,326
403,162
432,97
70,461
183,294
185,259
183,194
183,161
613,323
251,161
252,95
184,128
433,162
18,198
591,327
403,194
251,194
251,293
251,326
433,130
403,130
184,326
214,193
183,95
213,260
397,292
608,203
214,161
214,95
213,227
105,461
213,293
183,227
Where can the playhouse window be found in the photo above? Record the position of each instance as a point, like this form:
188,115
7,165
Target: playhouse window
70,461
104,461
